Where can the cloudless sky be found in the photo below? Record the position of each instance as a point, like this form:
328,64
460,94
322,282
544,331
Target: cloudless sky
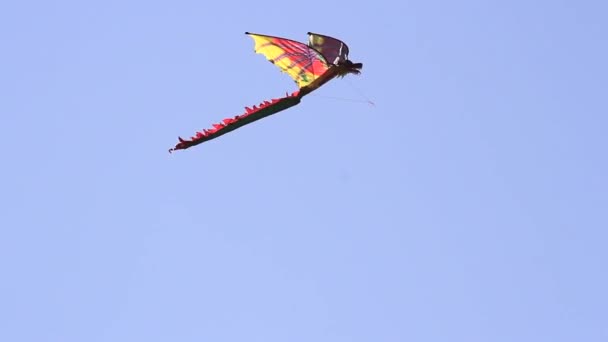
469,204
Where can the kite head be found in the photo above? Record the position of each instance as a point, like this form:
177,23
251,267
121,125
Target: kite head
346,67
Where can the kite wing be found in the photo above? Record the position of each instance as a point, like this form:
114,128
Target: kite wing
334,50
303,63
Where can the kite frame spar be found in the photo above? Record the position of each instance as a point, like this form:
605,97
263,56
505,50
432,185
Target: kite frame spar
306,64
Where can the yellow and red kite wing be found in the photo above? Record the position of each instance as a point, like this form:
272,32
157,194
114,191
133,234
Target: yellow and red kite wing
303,63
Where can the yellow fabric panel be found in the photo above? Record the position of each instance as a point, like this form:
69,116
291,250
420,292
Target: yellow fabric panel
300,62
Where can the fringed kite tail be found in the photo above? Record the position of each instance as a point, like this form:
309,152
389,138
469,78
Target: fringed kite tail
250,115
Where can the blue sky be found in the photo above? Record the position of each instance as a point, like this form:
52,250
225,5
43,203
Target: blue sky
470,204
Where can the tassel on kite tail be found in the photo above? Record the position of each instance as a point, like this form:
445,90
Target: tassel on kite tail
250,115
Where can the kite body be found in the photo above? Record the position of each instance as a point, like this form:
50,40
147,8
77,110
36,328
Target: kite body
309,65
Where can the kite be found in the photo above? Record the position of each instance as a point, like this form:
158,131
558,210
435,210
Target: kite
309,65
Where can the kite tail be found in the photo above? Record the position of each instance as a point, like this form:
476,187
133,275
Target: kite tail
250,115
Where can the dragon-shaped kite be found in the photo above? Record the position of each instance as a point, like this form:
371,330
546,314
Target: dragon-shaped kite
310,65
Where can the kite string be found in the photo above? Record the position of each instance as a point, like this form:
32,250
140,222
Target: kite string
360,92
